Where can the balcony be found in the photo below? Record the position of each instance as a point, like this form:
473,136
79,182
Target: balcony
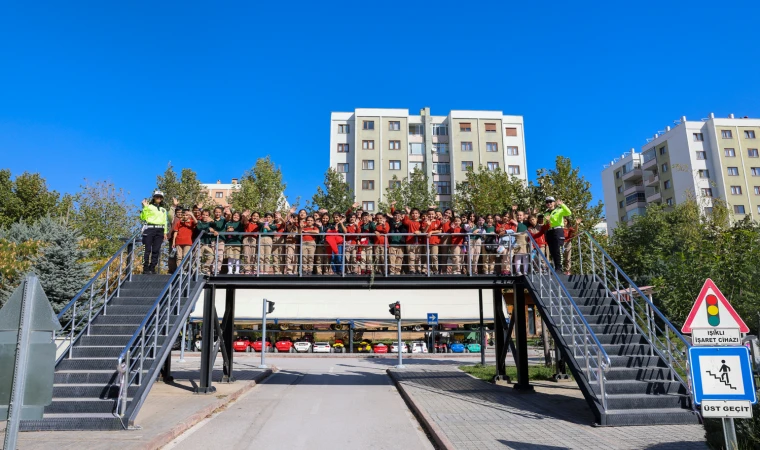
633,174
649,164
634,189
655,197
651,181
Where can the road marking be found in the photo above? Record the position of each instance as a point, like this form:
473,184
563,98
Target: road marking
332,368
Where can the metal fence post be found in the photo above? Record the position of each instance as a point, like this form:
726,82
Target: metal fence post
387,255
300,256
258,256
427,253
216,256
118,281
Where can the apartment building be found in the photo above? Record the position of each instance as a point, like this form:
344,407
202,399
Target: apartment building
706,159
219,193
371,146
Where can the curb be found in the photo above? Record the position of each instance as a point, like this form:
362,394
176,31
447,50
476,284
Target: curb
166,437
438,436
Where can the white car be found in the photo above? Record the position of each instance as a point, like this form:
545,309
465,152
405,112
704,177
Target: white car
302,346
419,347
404,347
322,347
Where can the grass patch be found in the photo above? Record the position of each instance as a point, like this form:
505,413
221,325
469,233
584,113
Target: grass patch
540,373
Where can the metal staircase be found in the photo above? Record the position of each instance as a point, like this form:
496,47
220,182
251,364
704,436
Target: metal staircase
628,359
117,333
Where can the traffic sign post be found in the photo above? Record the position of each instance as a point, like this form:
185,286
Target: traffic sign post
720,369
432,318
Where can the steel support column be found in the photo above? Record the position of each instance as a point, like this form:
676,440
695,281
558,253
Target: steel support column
228,330
521,335
499,337
207,343
166,370
482,339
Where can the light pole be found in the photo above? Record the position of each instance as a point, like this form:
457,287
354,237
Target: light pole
266,307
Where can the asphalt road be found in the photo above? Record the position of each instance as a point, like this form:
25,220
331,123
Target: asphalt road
314,403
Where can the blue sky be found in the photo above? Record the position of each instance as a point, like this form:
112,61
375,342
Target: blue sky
102,90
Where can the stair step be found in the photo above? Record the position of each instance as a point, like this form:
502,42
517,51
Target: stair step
619,339
590,310
636,373
640,387
80,405
598,319
97,352
615,328
639,401
662,416
102,378
131,301
590,301
566,279
87,364
133,320
628,349
91,391
588,293
74,422
128,310
637,361
104,340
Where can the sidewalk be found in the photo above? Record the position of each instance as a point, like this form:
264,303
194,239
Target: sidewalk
462,412
169,410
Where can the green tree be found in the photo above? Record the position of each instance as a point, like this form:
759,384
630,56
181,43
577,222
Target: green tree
261,188
186,188
337,194
490,191
564,182
25,197
104,216
15,261
415,191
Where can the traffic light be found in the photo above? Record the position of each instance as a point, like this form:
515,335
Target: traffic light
395,310
713,316
270,307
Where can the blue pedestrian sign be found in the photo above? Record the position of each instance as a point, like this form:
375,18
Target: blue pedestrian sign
432,318
722,374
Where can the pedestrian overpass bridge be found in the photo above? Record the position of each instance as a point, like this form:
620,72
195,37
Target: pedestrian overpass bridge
627,358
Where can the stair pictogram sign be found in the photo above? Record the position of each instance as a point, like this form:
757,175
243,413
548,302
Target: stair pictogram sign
711,310
723,377
721,373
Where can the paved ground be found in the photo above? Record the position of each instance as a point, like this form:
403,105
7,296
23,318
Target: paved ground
314,403
473,414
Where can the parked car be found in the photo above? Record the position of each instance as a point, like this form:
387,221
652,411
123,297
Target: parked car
242,344
338,346
440,347
302,346
456,347
395,346
379,348
471,346
365,346
284,345
256,345
419,347
322,347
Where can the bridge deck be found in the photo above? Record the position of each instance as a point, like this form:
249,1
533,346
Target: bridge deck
363,281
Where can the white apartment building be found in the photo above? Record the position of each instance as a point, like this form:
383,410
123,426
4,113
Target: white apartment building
370,146
706,159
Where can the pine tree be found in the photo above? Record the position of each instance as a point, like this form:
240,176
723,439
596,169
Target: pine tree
337,195
415,191
104,217
186,188
261,188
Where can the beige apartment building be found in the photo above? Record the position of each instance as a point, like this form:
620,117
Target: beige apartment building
706,159
219,193
371,146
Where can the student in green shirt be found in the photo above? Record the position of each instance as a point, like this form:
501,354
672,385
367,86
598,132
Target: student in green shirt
489,241
233,243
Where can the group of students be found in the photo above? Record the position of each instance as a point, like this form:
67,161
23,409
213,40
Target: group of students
359,242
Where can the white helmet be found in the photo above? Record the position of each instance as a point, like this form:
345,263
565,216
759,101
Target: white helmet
158,193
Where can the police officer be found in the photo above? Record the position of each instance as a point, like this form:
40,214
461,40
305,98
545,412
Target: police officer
155,230
555,237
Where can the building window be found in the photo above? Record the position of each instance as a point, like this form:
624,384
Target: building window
493,165
726,134
465,126
441,149
752,152
444,205
617,174
736,190
701,155
343,148
394,145
492,146
733,171
394,184
513,170
703,173
757,190
699,137
415,129
368,124
368,206
394,164
738,209
466,146
219,195
394,125
664,168
368,185
440,130
663,150
490,128
669,201
368,145
729,152
749,134
667,184
620,189
512,151
621,205
466,165
344,129
416,149
511,131
755,171
443,187
415,166
442,168
707,192
368,164
343,167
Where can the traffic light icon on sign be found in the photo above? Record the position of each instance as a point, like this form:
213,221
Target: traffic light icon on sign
713,316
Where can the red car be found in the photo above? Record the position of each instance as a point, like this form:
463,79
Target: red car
440,347
379,348
284,345
256,346
242,344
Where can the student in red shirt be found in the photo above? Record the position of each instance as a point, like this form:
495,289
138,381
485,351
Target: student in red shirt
379,254
567,246
308,245
251,225
432,226
414,250
184,228
456,238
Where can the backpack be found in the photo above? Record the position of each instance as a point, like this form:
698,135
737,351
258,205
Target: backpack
491,243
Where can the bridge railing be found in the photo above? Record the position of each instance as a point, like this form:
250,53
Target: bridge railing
346,254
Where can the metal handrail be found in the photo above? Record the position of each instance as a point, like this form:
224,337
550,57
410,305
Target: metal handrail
666,349
603,361
179,282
